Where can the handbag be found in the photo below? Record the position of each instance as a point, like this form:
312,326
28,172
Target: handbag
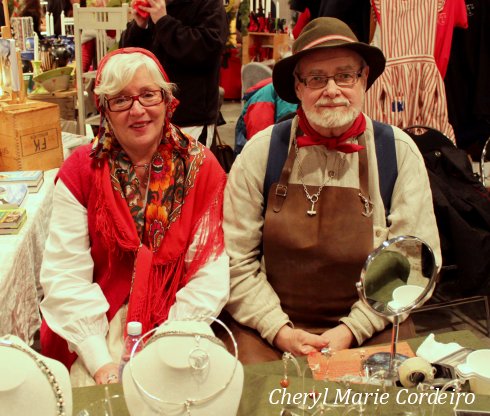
223,152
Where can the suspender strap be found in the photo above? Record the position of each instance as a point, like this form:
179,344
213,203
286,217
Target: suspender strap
384,140
278,152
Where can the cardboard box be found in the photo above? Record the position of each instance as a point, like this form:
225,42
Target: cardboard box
30,136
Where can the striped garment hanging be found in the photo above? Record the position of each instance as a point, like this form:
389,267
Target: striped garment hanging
411,90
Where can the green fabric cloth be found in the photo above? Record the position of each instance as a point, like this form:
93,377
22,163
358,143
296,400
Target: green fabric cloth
262,379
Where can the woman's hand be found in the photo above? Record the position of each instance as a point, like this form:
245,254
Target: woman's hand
107,374
339,337
298,342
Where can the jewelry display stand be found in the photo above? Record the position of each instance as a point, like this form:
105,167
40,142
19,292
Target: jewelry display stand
183,370
31,384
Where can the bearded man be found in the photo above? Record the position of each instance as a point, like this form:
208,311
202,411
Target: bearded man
299,229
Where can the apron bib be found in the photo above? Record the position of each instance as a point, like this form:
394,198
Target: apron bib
314,261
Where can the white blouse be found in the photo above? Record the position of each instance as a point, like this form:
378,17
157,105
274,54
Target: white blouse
75,307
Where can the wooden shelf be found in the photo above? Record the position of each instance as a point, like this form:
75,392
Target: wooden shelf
263,39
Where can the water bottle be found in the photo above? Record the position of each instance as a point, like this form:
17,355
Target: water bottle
134,334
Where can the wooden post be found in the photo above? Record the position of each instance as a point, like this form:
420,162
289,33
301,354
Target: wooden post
21,94
6,32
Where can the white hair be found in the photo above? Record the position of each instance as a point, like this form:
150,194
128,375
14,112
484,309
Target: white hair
120,70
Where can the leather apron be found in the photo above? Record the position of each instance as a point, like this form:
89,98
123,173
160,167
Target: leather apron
312,261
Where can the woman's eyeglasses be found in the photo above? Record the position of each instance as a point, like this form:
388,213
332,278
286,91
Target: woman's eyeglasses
125,102
342,79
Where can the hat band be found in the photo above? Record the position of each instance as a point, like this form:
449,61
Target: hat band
326,39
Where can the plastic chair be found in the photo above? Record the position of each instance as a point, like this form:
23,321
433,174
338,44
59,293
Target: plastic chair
98,20
252,73
431,140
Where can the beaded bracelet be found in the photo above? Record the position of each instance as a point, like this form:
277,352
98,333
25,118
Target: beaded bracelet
60,401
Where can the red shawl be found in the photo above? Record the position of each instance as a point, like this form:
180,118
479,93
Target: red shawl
116,248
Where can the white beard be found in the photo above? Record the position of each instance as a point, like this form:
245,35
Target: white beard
332,118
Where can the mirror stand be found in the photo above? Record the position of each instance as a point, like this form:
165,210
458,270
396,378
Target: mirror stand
386,362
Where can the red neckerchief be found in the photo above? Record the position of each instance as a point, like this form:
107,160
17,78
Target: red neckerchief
311,137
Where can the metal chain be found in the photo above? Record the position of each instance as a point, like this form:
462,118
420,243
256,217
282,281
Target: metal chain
330,174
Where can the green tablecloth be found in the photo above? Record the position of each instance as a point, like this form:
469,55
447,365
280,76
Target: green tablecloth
262,379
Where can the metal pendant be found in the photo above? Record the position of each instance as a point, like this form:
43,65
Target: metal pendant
313,199
311,211
368,206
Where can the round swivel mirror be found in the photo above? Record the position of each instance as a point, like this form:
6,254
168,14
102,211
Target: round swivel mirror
397,277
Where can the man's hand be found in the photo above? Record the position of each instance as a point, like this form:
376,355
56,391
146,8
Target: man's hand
338,338
137,4
298,342
141,21
107,374
156,9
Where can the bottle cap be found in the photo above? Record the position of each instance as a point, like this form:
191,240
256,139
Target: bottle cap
134,328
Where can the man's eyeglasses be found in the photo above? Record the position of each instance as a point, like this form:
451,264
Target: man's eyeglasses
342,79
125,102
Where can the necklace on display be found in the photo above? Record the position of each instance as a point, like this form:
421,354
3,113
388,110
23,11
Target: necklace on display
198,360
330,174
58,394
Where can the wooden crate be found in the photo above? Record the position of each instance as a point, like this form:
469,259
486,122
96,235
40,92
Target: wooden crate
65,99
30,136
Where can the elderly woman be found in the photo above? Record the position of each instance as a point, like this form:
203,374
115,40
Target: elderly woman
136,227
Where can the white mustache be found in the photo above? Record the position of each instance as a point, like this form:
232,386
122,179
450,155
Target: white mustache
332,102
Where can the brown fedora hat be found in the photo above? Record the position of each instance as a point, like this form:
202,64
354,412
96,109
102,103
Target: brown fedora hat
320,33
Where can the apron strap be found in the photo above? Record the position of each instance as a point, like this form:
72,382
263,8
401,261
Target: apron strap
282,187
364,179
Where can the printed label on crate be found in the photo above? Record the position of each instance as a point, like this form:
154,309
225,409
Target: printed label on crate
4,151
39,142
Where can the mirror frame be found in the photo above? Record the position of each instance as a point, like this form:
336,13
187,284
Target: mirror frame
424,296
